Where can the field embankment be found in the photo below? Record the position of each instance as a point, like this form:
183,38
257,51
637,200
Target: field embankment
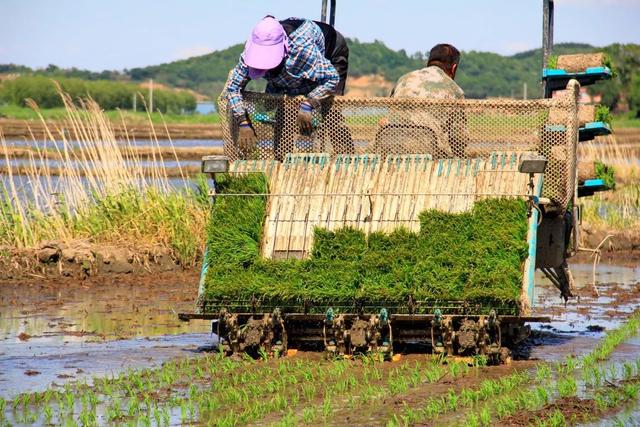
18,128
105,209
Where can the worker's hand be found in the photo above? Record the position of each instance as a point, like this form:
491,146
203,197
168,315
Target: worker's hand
305,118
247,138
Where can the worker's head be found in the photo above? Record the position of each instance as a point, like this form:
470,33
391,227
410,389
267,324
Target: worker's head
446,57
266,47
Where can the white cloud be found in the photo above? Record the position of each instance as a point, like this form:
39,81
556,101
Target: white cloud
191,51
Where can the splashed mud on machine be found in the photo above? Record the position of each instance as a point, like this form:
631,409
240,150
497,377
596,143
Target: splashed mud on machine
374,164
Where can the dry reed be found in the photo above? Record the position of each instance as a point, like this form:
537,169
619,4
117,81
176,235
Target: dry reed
102,192
617,209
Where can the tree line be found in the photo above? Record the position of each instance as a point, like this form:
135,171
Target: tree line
110,95
480,74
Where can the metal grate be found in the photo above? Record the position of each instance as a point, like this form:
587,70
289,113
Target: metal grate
443,129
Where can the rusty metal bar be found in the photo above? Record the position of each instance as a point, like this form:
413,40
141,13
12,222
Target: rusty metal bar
323,12
332,13
547,40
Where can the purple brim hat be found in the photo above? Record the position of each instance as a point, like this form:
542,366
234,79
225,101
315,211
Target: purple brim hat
266,46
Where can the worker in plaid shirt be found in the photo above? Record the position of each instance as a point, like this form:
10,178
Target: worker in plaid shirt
296,57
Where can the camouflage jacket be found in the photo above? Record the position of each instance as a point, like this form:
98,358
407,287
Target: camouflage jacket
428,82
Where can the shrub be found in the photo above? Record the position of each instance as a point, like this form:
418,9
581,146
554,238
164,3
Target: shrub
108,94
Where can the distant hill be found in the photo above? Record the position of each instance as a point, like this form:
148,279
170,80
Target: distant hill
481,74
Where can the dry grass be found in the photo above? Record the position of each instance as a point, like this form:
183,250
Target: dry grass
102,191
617,209
620,152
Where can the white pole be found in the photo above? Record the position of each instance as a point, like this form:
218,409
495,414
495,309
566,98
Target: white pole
135,98
524,89
151,95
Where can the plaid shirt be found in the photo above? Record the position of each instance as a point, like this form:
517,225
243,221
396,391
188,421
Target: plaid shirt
306,70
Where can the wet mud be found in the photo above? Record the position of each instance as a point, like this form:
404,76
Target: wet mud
59,330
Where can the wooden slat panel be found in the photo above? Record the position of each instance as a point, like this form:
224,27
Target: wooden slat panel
399,192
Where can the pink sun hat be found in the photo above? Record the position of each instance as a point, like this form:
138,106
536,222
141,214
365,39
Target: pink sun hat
266,46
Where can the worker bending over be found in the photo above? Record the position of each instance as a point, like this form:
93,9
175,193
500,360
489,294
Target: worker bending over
296,57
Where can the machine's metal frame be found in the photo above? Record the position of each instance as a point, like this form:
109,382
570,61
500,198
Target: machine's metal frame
447,330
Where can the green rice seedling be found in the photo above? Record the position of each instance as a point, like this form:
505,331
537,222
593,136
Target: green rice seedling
452,400
48,414
570,363
433,374
394,422
70,400
472,420
157,415
289,420
47,396
166,417
434,407
133,406
84,417
398,385
556,419
631,391
480,360
327,406
309,414
620,422
628,370
567,386
183,410
144,419
504,406
485,416
601,403
542,396
468,397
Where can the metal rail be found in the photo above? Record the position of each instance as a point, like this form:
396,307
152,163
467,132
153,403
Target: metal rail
394,317
527,196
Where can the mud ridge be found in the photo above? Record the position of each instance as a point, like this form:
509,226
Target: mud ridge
80,260
622,242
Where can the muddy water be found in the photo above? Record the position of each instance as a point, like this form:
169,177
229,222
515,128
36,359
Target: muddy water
53,331
577,325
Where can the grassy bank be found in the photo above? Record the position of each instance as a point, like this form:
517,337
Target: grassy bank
628,120
104,194
24,113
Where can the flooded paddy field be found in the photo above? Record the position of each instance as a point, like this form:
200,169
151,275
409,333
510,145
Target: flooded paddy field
113,341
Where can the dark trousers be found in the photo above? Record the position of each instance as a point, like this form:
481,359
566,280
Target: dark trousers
340,60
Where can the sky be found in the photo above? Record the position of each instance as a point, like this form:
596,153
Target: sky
118,34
